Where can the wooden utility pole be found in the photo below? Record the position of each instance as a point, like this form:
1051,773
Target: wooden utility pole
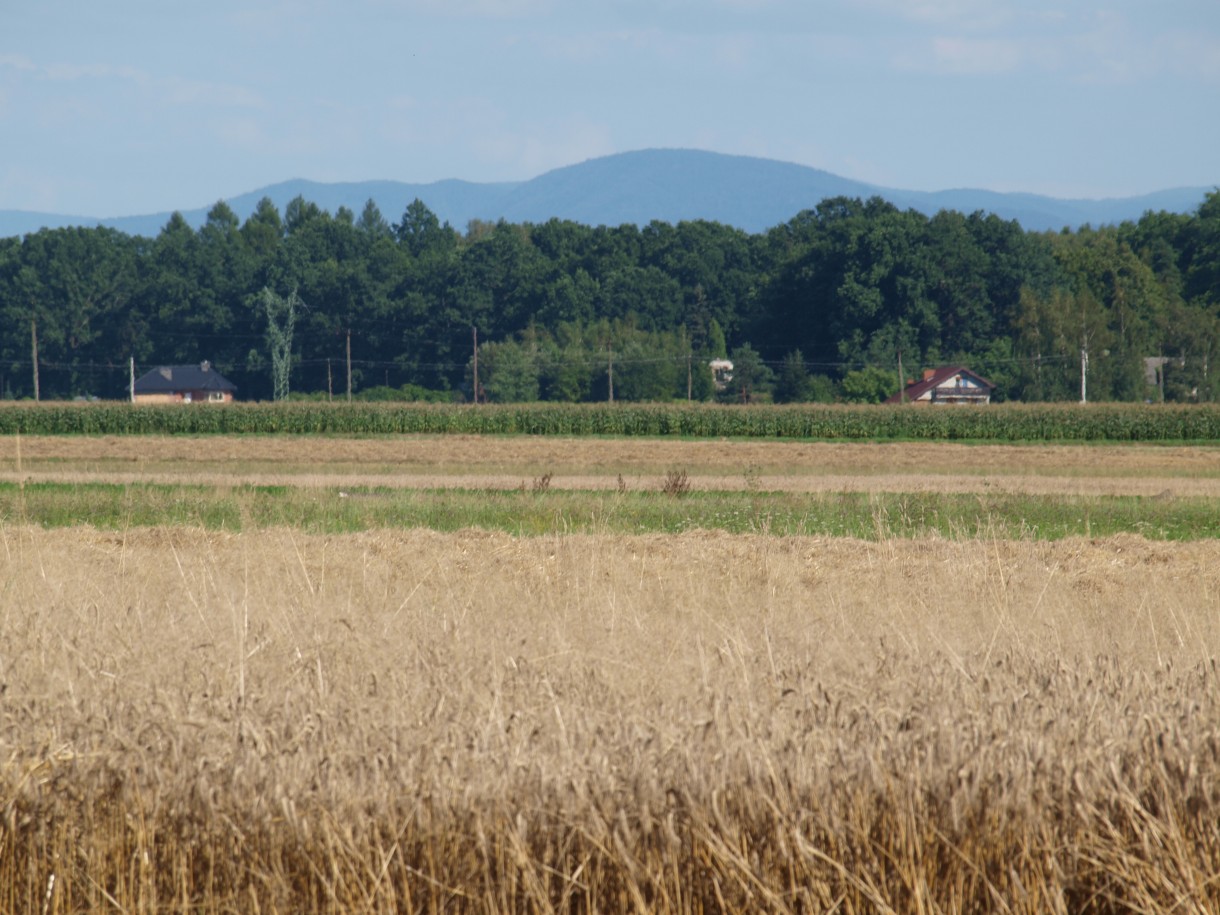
610,372
1084,354
474,331
131,379
34,347
349,365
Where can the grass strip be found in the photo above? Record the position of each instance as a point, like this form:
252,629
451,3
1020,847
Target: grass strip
860,515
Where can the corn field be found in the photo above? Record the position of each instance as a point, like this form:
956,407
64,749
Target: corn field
994,423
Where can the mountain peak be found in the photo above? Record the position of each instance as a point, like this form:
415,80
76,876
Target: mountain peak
640,186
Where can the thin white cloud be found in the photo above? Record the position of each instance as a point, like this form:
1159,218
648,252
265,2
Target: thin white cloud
732,52
17,62
65,72
967,56
970,15
1102,48
1190,55
171,90
540,148
588,47
201,92
402,102
456,9
1112,50
501,144
244,133
35,190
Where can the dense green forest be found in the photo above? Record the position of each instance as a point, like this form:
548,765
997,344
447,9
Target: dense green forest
822,307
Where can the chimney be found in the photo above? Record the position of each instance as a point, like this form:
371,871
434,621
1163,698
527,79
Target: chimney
205,366
928,373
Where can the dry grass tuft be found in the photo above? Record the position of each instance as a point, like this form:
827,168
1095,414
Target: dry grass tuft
422,722
676,483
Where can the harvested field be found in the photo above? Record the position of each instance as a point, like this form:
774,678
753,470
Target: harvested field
479,462
410,721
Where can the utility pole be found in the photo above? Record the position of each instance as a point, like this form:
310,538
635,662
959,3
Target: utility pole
349,365
34,347
610,372
131,379
689,378
1084,353
475,334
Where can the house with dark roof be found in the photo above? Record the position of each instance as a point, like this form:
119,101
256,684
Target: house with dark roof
183,384
950,385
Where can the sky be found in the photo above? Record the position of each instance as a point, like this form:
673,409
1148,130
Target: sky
129,107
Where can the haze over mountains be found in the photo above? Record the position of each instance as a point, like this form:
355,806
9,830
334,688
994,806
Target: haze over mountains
669,185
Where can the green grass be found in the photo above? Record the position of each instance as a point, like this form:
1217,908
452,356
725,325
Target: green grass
863,515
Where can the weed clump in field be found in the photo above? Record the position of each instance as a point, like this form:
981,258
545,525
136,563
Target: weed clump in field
676,483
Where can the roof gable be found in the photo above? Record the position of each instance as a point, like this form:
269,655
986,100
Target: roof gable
938,377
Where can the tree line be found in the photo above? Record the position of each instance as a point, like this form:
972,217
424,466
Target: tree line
826,306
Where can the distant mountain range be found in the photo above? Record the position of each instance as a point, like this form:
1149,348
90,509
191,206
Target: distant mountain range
669,185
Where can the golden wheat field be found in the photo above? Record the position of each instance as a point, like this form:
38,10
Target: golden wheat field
412,721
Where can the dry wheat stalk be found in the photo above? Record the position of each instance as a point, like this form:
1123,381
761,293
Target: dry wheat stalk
411,721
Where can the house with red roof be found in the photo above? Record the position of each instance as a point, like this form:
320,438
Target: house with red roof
949,385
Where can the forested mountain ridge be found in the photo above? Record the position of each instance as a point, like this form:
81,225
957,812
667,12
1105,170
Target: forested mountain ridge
669,185
825,305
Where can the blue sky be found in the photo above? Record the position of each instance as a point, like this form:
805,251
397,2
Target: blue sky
138,106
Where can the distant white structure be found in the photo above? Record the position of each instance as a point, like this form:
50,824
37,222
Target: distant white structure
722,372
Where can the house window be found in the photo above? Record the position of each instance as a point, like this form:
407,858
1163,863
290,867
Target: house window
216,396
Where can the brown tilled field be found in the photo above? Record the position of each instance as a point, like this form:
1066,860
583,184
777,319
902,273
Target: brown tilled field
414,721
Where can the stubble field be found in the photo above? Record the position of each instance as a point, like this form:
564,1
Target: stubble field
402,719
467,461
